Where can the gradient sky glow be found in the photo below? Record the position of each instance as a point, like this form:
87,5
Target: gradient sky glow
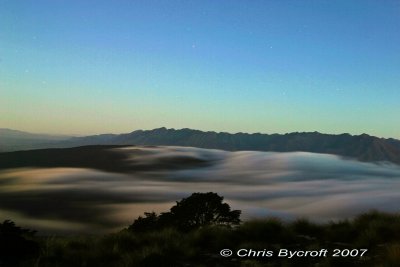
87,67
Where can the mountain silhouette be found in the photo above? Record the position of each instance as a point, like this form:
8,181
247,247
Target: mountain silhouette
362,147
13,140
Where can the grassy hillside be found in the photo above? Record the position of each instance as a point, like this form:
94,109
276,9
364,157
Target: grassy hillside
379,233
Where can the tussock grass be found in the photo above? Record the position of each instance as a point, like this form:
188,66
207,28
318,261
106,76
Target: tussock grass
379,232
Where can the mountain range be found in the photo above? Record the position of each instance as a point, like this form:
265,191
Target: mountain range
362,147
14,140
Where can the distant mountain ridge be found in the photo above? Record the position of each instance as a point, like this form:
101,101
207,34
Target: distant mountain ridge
12,140
362,147
10,133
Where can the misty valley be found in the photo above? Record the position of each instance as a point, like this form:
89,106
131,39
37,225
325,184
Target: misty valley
101,189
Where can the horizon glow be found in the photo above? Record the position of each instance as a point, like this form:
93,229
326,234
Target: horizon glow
90,67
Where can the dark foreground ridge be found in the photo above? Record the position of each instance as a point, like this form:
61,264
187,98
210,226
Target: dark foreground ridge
362,147
369,240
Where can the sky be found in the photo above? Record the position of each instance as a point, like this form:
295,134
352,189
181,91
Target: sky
89,67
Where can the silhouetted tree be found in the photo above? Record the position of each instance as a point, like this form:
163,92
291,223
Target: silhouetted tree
9,227
197,210
14,247
201,209
147,223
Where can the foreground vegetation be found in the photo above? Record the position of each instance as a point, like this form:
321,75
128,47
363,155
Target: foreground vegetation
170,246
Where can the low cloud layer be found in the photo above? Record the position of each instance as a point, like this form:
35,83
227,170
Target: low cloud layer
317,186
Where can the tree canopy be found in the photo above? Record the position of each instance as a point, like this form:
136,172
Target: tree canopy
197,210
14,246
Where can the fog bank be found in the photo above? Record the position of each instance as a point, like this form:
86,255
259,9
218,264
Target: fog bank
289,185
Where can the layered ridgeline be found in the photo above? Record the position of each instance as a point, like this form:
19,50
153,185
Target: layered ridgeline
362,147
13,140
